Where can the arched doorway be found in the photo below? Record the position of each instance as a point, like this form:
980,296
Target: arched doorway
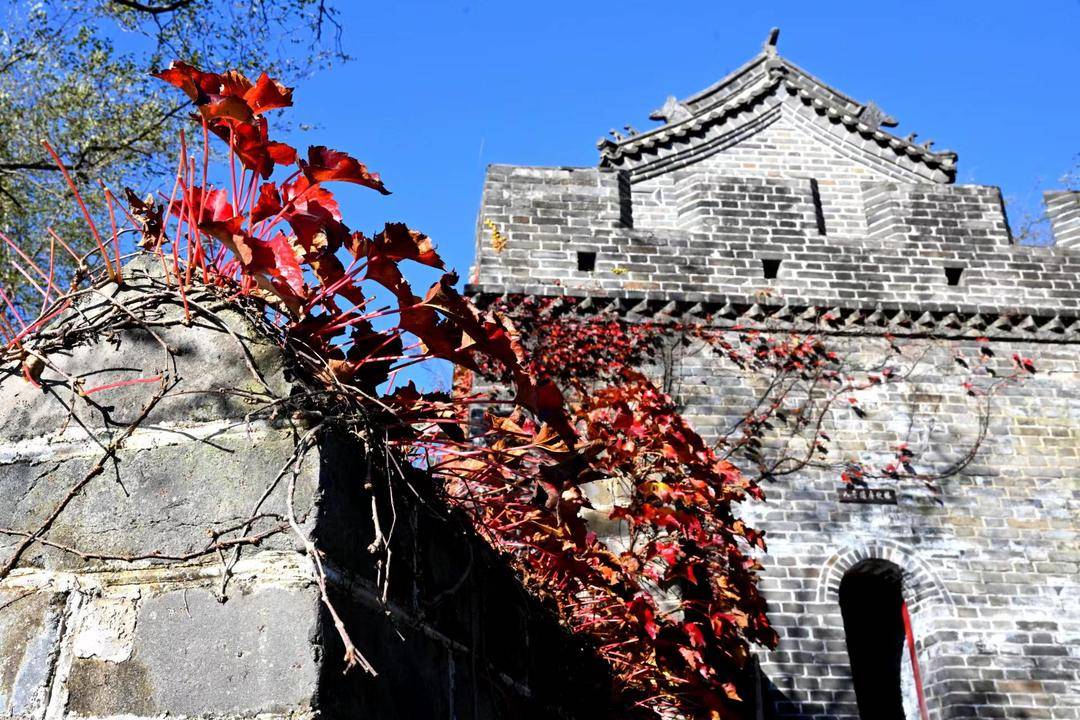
876,631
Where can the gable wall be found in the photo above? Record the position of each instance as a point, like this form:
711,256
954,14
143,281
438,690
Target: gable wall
790,147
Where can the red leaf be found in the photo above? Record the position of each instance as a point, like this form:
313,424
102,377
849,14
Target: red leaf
206,205
314,216
253,148
234,83
269,203
206,88
693,631
306,197
268,94
281,153
286,265
368,359
249,144
330,271
324,165
273,263
227,108
397,242
196,84
640,609
669,552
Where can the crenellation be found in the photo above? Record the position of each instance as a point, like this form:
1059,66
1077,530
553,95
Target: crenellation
1063,210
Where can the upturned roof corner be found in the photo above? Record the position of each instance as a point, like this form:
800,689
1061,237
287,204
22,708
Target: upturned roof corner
768,75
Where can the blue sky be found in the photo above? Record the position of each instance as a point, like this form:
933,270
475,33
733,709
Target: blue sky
439,90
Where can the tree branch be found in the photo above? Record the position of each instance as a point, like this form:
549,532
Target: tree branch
154,9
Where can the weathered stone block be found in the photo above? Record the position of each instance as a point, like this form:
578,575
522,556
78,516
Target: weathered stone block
191,655
30,627
217,363
164,499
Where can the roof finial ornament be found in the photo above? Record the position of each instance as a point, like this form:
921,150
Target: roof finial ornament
874,117
672,111
770,44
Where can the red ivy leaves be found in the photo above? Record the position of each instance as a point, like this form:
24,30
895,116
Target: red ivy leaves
679,506
324,164
301,270
242,98
230,104
682,537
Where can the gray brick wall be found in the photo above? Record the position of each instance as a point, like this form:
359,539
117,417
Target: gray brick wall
917,232
992,563
868,243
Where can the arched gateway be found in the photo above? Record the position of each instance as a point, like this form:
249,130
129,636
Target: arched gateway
773,202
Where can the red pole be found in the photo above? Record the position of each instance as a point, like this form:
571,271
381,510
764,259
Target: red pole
914,661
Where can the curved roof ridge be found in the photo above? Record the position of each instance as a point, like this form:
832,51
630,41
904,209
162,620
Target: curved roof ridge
722,83
694,113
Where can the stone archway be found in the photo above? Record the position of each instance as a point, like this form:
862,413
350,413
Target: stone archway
921,587
871,605
888,600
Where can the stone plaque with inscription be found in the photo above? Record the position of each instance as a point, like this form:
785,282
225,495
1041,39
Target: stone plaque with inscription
868,496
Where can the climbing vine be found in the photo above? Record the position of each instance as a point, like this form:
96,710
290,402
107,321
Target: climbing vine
675,609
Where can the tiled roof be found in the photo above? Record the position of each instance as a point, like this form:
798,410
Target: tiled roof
766,74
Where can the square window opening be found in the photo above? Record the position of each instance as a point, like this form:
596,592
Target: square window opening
586,261
952,275
770,268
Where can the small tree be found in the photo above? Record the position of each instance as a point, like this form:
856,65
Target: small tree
76,72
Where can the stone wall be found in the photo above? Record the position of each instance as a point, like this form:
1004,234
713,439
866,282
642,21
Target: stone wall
118,610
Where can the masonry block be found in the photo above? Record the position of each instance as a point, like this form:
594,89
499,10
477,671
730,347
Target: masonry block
190,655
962,214
29,635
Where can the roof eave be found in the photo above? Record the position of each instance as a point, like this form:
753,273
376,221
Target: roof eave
797,81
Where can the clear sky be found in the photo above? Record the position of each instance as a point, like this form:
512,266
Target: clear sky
439,90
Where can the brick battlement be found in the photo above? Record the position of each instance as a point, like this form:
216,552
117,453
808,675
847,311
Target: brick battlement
928,247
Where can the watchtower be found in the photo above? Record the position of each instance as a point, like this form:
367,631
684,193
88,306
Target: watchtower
771,200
